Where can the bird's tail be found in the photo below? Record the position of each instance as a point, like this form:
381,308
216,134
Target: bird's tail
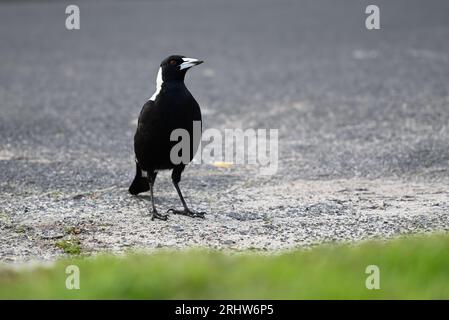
140,184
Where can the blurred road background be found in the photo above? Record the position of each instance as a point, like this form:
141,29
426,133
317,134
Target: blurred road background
362,116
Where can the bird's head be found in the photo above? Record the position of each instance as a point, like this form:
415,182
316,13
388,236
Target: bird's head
175,67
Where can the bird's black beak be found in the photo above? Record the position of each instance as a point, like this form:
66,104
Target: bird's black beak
189,62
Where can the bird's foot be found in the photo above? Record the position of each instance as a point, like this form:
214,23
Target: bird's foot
157,215
188,213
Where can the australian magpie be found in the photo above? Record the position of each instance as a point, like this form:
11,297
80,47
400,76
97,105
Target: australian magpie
171,107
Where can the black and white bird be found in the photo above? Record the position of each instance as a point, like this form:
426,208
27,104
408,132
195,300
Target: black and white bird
171,107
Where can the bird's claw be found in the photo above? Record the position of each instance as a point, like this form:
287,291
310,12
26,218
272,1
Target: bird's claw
157,215
188,213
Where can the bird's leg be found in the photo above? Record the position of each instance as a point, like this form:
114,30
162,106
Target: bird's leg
176,178
154,213
186,211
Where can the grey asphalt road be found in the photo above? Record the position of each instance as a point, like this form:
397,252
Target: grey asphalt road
362,116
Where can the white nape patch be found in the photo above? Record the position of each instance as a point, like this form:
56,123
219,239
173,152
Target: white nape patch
158,85
188,62
144,174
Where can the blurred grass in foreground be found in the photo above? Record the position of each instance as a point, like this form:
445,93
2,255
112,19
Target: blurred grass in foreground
416,267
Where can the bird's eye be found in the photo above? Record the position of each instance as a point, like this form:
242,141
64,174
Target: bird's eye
173,62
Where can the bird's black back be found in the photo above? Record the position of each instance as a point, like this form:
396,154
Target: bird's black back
173,108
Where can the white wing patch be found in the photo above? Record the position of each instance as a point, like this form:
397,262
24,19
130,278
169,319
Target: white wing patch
158,85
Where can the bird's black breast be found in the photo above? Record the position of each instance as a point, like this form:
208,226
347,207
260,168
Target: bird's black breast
173,108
